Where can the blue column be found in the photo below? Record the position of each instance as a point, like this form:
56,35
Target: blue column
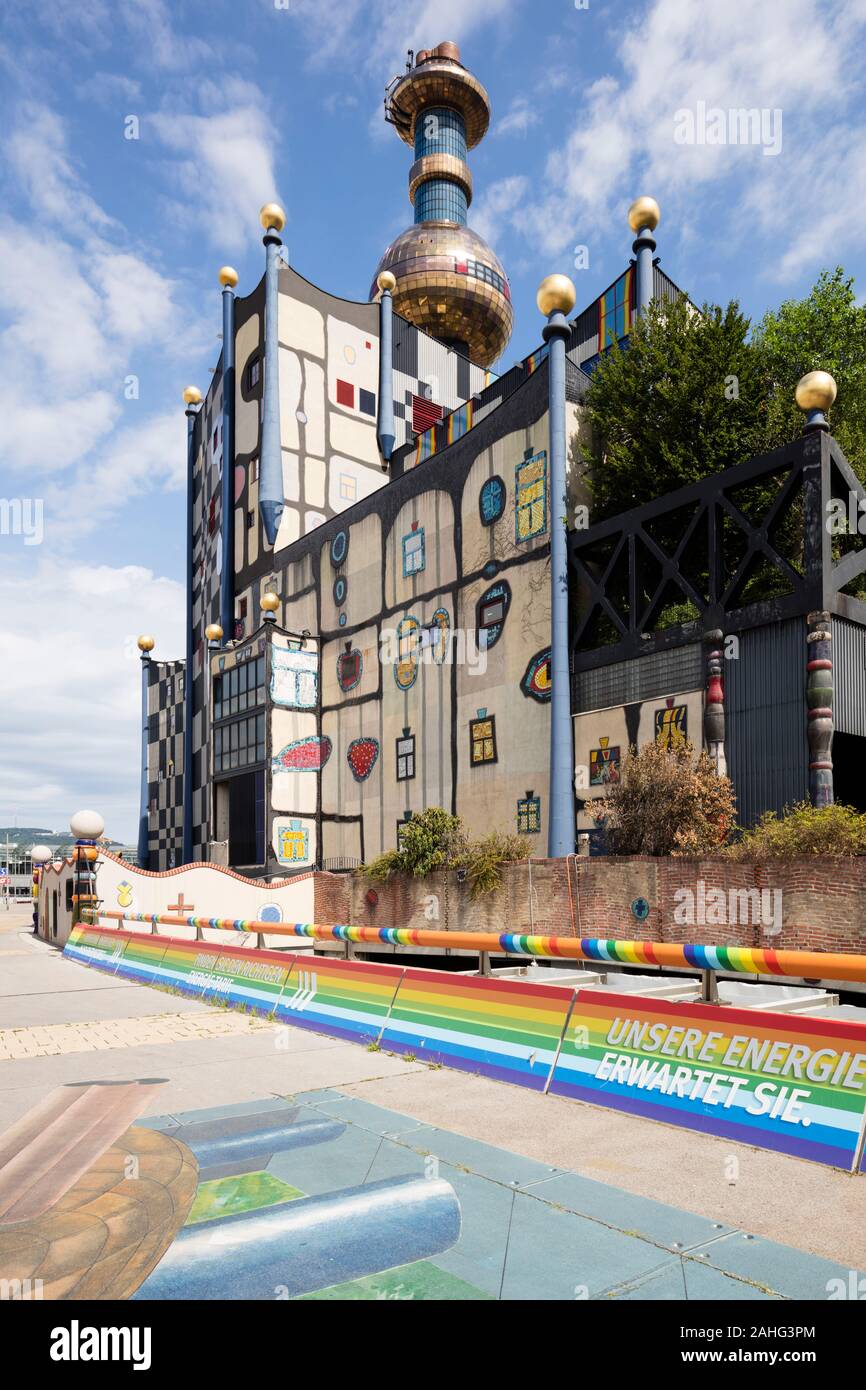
228,280
271,459
643,218
144,801
385,432
556,295
192,397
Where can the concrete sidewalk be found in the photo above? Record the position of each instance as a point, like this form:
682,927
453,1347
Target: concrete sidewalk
745,1192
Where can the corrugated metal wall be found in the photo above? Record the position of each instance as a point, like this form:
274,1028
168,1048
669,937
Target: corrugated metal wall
765,705
849,677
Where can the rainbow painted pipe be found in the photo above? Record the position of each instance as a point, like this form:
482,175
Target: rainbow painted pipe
744,960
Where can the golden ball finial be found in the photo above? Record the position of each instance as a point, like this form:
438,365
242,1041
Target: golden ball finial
270,602
192,395
644,212
386,280
146,643
272,217
228,276
213,632
556,294
815,391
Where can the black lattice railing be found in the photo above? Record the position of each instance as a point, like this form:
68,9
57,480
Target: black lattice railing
744,547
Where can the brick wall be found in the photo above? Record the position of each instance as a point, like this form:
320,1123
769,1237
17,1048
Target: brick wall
822,904
332,896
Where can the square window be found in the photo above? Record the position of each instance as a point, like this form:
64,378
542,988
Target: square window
345,394
254,372
413,552
406,758
251,520
348,487
482,740
529,815
492,613
367,402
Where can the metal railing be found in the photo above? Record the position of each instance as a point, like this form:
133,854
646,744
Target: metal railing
740,960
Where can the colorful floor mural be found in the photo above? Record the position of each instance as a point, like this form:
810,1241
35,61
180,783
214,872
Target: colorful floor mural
324,1196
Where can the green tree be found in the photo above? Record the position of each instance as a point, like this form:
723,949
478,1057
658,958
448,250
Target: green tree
825,331
686,398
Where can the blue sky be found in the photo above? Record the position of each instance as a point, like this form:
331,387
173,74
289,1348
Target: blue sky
110,248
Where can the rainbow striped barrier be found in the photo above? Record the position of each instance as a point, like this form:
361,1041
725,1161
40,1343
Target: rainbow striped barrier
787,1083
744,960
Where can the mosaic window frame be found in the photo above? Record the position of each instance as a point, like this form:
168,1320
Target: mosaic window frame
298,837
482,740
351,662
414,553
491,500
529,815
530,499
339,549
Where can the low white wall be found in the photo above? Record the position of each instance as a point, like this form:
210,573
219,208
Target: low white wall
207,890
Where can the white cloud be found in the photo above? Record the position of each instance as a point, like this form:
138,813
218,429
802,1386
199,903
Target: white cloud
37,154
228,159
71,723
498,205
147,454
340,32
518,120
743,54
107,89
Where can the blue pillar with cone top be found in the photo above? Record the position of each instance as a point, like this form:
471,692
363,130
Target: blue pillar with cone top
643,218
556,297
145,646
228,279
273,219
192,397
385,432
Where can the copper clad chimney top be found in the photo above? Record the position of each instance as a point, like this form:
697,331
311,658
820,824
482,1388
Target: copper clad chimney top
447,50
422,56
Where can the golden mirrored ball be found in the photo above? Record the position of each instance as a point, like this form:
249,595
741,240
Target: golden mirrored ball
146,643
270,602
192,395
272,217
815,391
386,281
556,294
213,632
228,276
644,212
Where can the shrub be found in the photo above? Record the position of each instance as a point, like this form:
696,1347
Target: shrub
431,840
667,801
436,840
483,860
837,832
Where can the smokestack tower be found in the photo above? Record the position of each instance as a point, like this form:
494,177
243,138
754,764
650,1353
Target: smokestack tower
449,282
